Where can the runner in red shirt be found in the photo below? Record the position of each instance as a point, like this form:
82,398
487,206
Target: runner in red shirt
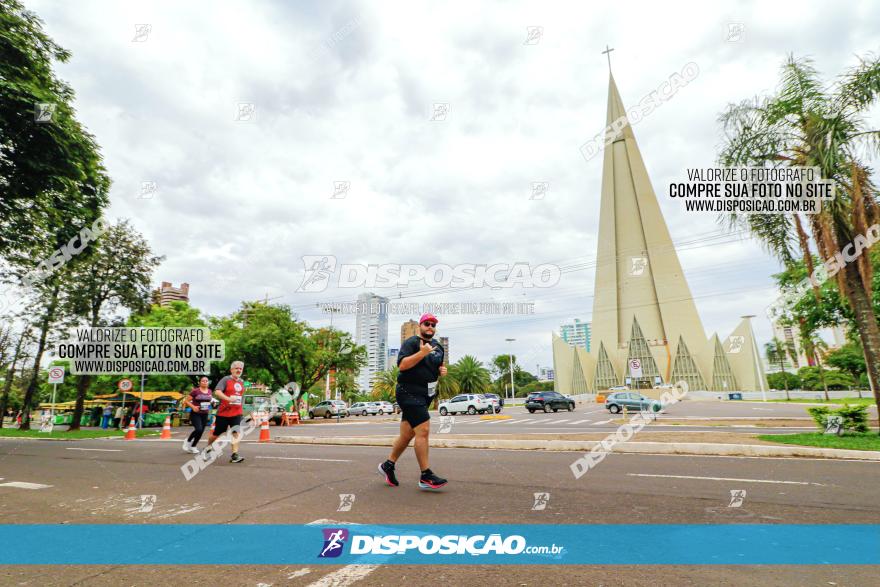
229,391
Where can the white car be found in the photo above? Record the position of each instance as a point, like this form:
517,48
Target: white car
496,404
470,403
385,408
363,409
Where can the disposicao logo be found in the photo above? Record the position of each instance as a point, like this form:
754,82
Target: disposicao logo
334,540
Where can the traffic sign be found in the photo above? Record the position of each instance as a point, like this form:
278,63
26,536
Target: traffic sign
56,374
635,368
125,385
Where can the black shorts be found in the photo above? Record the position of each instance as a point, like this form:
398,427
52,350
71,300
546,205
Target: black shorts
413,408
223,423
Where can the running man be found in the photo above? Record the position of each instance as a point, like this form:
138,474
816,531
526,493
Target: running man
421,363
199,401
228,391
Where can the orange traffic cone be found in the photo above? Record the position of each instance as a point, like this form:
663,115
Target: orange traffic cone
166,428
264,431
132,431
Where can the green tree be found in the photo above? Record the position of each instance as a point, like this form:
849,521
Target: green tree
51,174
777,380
118,273
384,385
849,358
277,348
812,380
806,123
471,376
177,314
776,353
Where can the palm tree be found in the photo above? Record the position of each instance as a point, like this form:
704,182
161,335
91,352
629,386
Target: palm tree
807,124
471,376
384,385
447,386
776,353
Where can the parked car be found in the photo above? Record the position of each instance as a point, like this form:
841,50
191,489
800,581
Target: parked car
496,396
466,402
396,408
329,409
616,402
384,408
363,409
495,401
548,400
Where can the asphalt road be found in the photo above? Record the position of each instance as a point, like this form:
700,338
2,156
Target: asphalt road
590,418
102,481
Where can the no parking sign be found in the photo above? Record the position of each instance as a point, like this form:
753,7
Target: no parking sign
635,368
56,374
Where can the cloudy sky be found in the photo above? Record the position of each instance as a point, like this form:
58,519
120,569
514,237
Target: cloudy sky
346,92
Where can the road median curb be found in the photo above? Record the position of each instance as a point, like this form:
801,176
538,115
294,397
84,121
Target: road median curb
677,448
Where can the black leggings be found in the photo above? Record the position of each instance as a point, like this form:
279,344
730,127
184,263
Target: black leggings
199,420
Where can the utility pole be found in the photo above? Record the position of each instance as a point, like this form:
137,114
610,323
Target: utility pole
510,366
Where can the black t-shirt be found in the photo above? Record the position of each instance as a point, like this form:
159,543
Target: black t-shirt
415,379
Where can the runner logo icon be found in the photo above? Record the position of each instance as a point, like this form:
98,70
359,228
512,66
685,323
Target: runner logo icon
334,540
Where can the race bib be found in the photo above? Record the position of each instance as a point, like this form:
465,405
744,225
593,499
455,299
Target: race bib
205,406
234,400
432,388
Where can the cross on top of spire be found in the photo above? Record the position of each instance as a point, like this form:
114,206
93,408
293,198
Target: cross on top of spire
607,53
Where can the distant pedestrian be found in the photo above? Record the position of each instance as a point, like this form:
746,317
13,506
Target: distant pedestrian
117,419
106,416
95,419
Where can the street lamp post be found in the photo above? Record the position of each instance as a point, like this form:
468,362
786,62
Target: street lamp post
510,366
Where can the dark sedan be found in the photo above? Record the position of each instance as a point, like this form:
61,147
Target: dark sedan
548,400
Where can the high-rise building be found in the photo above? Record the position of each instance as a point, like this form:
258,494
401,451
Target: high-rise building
371,331
645,328
576,333
790,337
392,358
167,293
444,342
407,329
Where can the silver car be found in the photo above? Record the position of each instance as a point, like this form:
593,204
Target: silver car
329,409
363,409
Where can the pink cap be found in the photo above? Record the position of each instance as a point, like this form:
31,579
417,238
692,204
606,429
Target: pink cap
426,317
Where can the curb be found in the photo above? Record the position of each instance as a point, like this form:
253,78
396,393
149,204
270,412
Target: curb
495,417
672,448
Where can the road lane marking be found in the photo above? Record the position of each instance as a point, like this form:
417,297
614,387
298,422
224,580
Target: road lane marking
304,459
24,485
346,575
727,479
579,421
299,573
560,421
602,422
97,449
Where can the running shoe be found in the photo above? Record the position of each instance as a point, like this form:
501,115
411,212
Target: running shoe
186,446
236,458
193,450
430,481
386,469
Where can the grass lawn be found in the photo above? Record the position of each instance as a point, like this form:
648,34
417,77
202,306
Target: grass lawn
57,433
853,440
867,400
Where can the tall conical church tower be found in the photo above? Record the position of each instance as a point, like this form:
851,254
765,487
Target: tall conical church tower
642,308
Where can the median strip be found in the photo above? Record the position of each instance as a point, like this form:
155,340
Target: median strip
670,448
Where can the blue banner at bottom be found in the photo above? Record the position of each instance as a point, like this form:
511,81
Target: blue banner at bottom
526,544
